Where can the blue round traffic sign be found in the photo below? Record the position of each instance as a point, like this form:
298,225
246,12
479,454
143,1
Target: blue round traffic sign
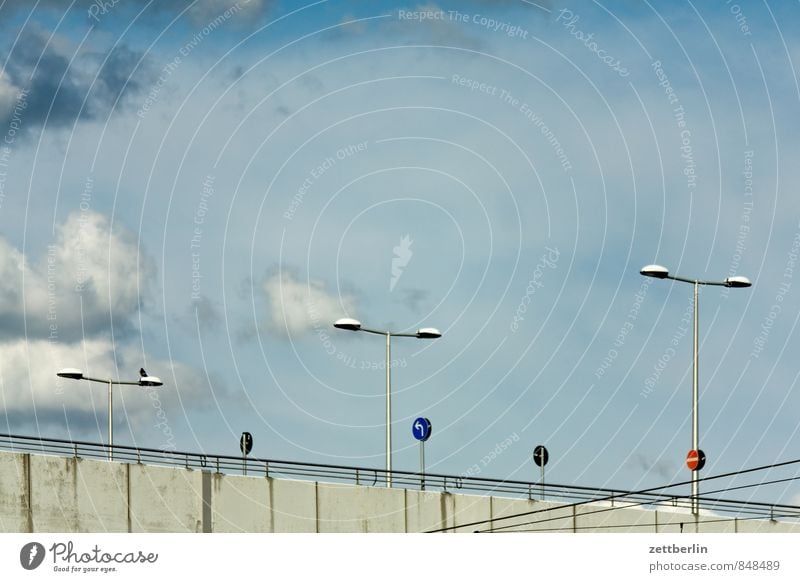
421,429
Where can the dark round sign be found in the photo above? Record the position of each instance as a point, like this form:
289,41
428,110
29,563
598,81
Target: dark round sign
540,456
696,460
246,443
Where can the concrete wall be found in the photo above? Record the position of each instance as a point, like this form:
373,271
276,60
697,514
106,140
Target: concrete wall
40,493
14,493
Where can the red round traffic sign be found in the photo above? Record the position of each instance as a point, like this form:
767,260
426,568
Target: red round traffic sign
695,460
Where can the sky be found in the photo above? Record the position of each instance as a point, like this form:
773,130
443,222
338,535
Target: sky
201,188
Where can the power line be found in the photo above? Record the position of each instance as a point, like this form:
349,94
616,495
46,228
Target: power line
630,525
628,506
615,496
773,482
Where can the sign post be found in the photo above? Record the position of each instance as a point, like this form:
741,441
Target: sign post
245,445
695,460
421,429
540,457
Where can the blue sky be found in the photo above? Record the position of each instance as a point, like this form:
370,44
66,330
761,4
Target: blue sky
202,188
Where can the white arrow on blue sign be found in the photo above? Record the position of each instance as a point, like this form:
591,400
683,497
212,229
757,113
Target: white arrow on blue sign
421,429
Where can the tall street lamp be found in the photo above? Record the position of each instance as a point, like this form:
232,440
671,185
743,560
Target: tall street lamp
144,380
423,333
659,272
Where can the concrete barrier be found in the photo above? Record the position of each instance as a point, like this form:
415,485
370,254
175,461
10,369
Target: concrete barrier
15,497
41,493
164,499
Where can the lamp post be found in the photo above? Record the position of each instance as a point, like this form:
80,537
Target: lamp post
144,380
659,272
423,333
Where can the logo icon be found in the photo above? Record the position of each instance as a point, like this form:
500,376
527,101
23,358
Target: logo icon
31,555
402,256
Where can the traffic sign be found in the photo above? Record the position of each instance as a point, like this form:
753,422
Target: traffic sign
421,429
696,460
246,443
540,455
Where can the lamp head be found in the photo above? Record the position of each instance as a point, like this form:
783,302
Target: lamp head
737,282
429,333
71,373
348,324
656,271
150,381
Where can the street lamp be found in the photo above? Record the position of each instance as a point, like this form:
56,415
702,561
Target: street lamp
659,272
423,333
144,380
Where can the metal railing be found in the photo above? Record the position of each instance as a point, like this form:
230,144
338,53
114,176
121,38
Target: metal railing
226,464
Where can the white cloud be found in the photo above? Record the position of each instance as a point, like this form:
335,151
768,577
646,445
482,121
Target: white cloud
28,373
56,313
102,261
91,274
8,95
29,385
296,307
